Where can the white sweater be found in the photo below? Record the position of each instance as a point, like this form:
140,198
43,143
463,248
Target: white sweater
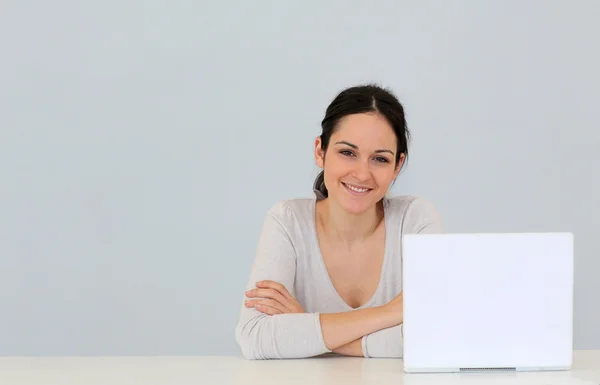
288,252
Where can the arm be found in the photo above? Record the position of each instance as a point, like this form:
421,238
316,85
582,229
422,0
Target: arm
385,343
261,336
354,348
296,335
340,329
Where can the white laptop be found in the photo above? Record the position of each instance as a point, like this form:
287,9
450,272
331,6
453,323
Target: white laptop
485,302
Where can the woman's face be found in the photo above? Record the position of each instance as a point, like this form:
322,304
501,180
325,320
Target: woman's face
359,163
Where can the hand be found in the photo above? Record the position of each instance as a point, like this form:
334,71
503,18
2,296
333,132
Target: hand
275,299
396,309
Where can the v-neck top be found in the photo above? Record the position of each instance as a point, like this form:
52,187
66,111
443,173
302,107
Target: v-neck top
288,252
315,251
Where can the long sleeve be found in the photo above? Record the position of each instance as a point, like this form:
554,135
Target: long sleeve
385,343
279,336
420,218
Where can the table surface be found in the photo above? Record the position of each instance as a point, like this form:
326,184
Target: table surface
236,370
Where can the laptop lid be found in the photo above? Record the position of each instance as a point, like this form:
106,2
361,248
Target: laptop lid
487,302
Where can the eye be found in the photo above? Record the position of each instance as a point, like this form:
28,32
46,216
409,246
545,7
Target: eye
381,159
347,153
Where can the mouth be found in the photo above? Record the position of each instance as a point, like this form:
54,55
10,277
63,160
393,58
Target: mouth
356,190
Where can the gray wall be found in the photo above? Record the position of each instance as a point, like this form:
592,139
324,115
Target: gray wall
141,144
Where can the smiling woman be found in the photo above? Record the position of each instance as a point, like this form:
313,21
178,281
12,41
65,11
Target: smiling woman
327,271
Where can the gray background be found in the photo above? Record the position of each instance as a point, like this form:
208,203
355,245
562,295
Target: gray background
141,143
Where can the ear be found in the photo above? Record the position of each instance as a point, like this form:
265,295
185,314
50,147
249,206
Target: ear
399,166
319,153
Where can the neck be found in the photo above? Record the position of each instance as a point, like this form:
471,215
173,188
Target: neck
349,228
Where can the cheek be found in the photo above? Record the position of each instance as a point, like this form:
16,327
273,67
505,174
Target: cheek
384,176
336,166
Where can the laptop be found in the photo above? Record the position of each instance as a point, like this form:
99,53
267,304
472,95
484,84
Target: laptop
487,302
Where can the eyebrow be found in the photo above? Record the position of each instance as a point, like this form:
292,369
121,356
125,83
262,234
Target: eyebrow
354,146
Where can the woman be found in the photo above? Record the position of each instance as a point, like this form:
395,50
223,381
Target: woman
327,275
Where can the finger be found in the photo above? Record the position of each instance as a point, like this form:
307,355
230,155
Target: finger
268,293
266,309
267,302
276,286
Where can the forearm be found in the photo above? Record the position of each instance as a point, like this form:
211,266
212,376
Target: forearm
386,343
339,329
262,337
353,348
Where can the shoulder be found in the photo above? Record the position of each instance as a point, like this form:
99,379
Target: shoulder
292,212
284,227
401,204
415,213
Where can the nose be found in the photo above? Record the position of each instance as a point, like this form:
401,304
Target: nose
362,171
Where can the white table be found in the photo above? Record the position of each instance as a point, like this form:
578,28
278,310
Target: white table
235,371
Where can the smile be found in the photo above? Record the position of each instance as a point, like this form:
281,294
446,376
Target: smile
356,189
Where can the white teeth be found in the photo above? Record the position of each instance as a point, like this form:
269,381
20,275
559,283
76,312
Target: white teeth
359,190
